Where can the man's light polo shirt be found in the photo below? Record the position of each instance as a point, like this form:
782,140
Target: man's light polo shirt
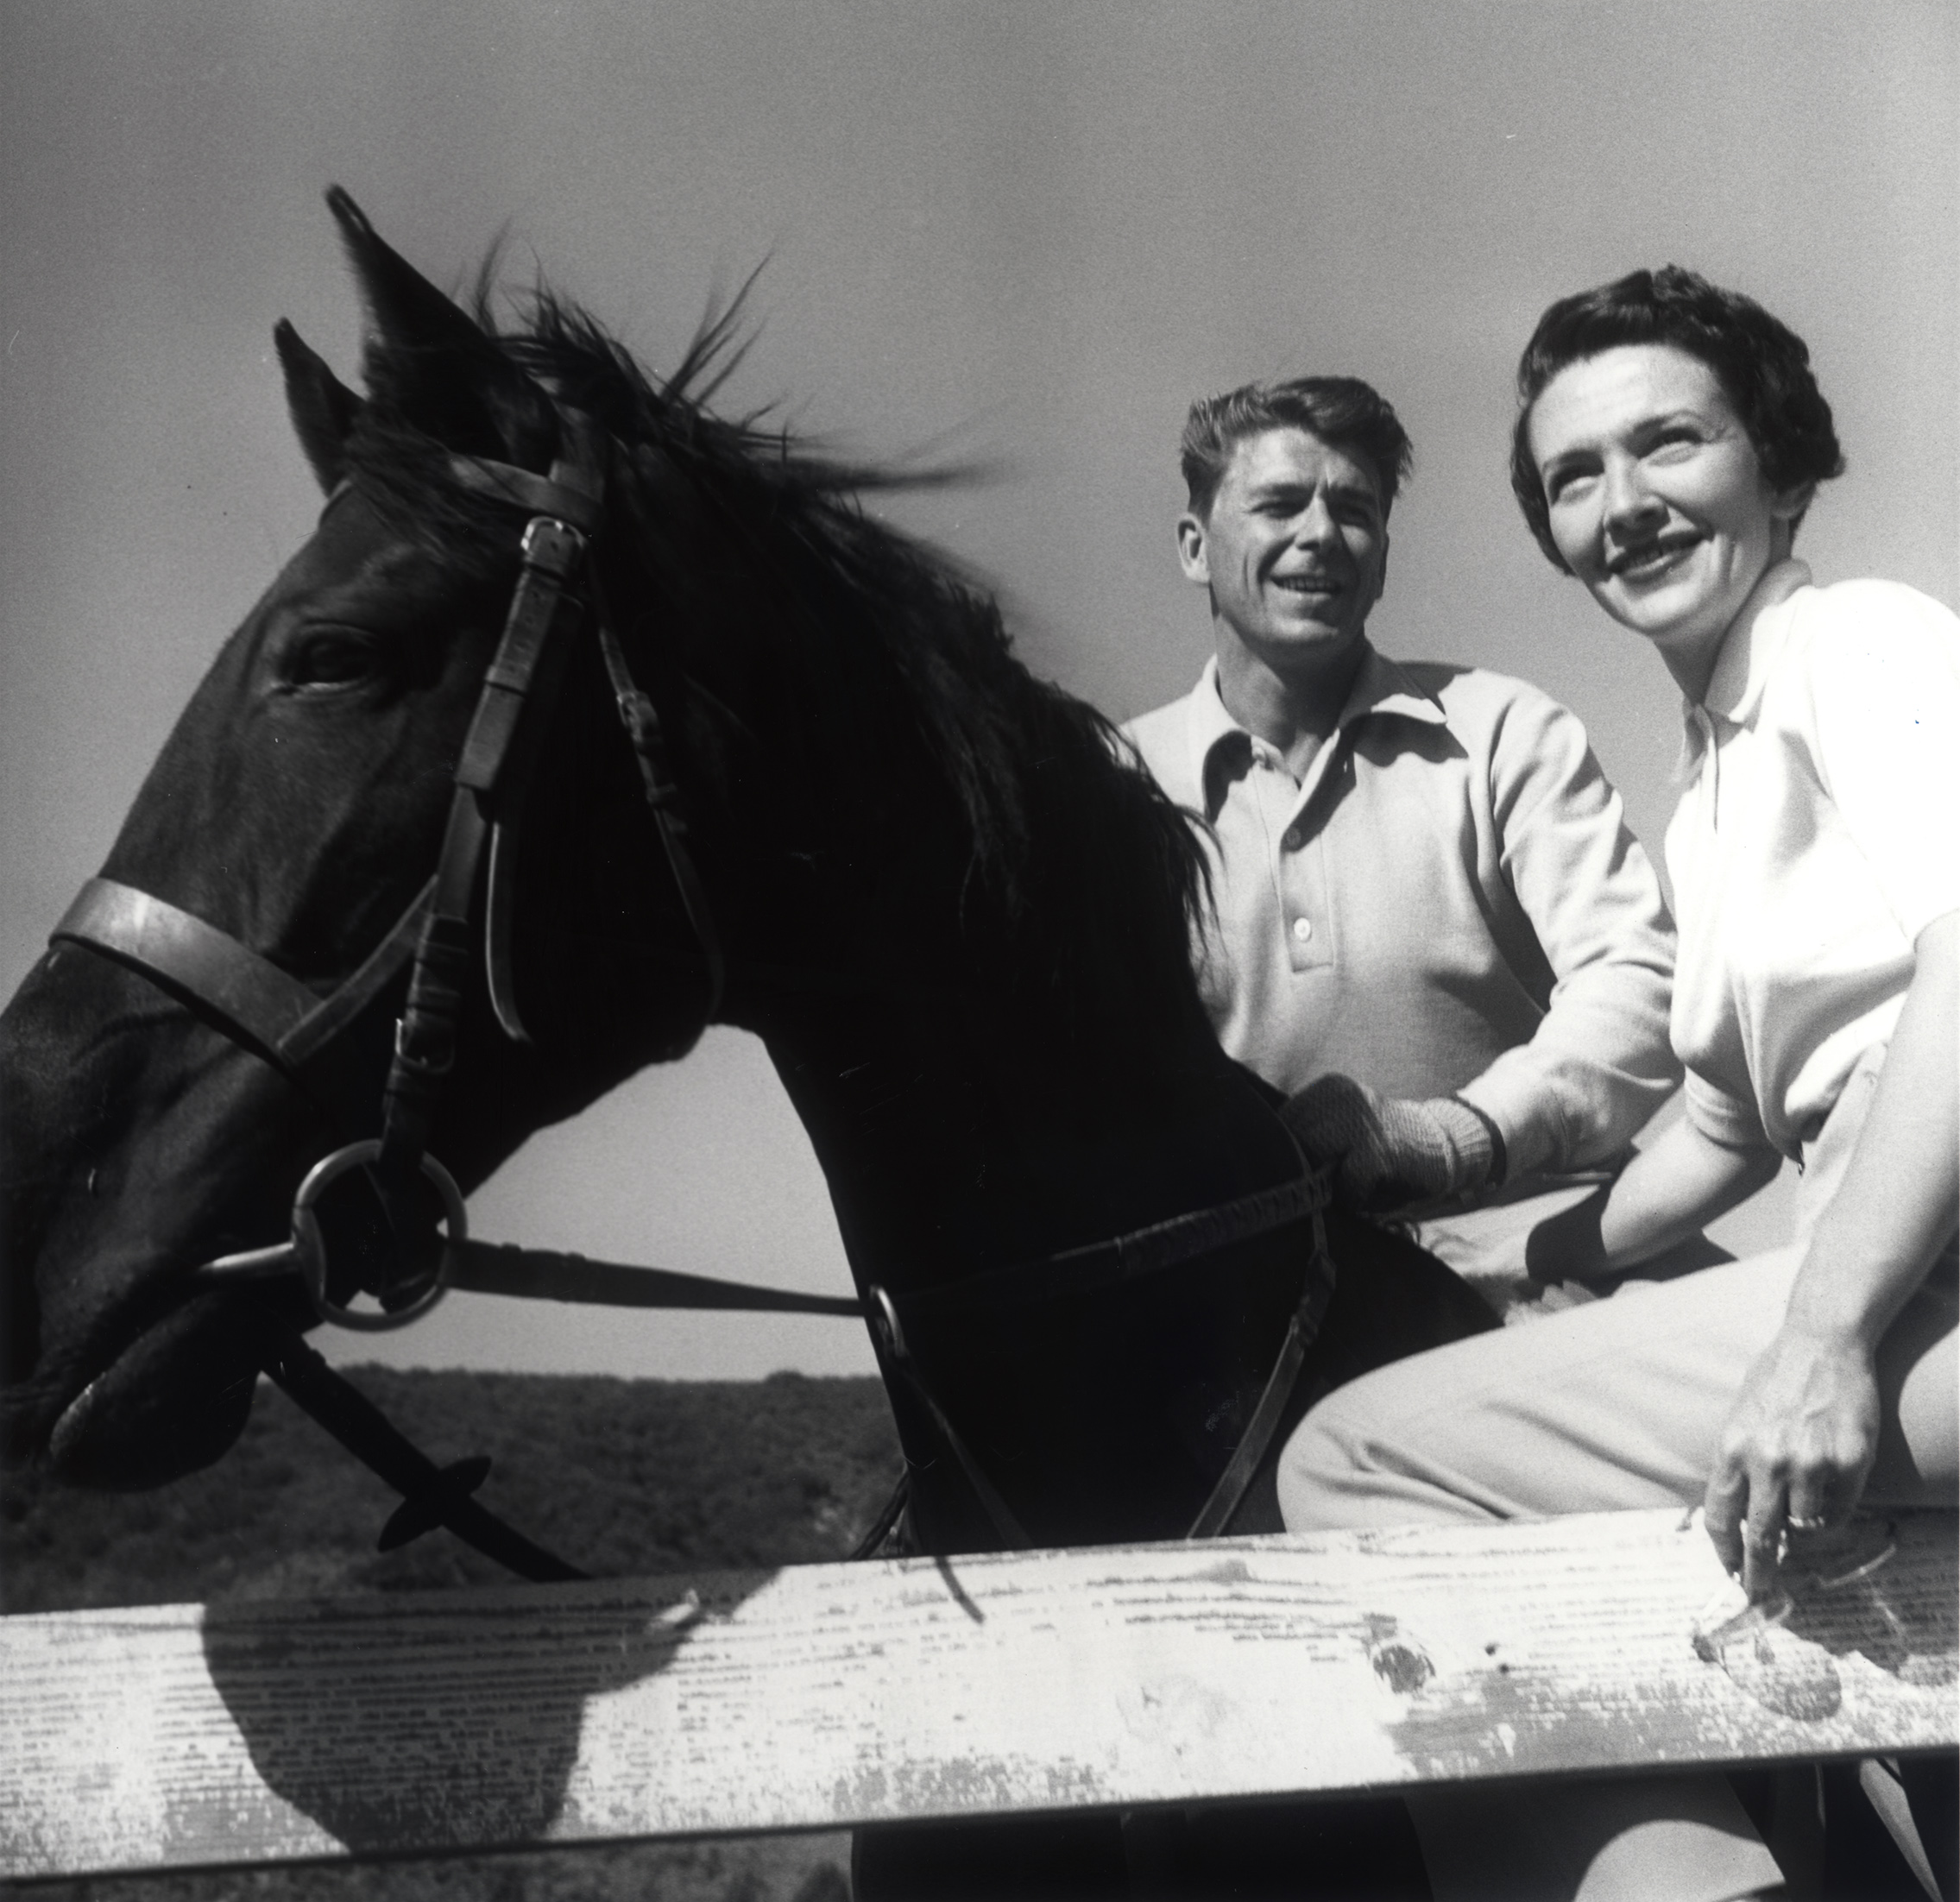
1450,901
1818,836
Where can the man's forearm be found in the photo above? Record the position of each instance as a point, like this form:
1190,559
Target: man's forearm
1593,1077
1598,1065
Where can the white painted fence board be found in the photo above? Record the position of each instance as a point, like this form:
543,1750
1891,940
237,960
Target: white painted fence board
829,1695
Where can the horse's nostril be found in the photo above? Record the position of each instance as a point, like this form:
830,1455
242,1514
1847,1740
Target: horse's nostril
70,1426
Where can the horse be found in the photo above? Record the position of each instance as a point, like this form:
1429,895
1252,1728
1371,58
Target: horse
799,783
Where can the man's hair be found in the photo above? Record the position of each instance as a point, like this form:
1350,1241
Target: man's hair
1342,411
1763,367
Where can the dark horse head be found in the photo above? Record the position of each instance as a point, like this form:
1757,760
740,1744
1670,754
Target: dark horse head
954,913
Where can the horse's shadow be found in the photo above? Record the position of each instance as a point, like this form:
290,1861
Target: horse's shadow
445,1721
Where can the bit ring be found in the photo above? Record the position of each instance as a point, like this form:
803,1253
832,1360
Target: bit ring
309,1245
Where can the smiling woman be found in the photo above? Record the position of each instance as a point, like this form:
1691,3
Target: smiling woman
1670,439
1657,499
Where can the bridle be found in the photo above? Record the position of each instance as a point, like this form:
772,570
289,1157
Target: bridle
268,1011
274,1016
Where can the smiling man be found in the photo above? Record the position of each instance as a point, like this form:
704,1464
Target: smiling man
1434,931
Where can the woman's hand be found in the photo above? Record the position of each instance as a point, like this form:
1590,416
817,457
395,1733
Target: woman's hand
1795,1453
1800,1440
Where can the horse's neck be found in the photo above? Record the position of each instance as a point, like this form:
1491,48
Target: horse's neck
954,1141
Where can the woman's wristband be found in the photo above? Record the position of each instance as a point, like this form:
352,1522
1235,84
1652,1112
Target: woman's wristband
1568,1243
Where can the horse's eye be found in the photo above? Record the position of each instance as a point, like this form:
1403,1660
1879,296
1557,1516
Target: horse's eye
325,658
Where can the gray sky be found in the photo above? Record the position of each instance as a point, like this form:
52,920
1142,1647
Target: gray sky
1020,230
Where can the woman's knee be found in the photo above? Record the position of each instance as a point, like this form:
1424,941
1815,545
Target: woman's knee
1319,1473
1368,1457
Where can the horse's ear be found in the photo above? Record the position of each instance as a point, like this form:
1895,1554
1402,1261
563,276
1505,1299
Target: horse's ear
322,407
430,361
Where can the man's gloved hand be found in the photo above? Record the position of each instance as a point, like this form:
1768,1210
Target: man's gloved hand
1390,1152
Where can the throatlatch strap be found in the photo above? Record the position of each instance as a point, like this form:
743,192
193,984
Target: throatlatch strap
642,720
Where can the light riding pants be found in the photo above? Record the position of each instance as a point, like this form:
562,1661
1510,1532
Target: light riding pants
1613,1405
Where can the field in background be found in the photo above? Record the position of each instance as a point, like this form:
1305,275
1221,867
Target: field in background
618,1477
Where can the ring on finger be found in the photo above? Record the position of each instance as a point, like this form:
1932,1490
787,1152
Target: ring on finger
1813,1522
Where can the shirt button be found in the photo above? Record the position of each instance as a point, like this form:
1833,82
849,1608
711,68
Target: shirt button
1291,842
1303,928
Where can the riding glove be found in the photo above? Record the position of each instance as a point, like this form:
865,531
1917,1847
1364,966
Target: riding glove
1389,1152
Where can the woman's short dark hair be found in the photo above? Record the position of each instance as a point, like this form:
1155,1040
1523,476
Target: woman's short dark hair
1342,411
1763,367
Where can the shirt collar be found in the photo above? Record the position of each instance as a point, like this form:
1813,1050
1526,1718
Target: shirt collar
1754,638
1380,686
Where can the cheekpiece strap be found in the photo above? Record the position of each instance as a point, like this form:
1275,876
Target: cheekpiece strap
564,509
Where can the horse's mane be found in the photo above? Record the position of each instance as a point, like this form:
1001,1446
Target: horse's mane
1081,880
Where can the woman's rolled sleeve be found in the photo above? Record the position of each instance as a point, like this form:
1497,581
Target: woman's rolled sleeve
1728,1121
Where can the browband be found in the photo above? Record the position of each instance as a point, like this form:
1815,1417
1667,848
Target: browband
567,501
556,495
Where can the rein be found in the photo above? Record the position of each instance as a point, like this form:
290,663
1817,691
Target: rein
277,1017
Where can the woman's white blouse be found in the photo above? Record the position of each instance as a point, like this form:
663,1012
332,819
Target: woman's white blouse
1818,835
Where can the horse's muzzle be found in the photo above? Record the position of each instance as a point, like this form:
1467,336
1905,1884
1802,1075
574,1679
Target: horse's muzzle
173,1400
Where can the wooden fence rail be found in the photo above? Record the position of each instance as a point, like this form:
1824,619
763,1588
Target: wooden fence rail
820,1695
